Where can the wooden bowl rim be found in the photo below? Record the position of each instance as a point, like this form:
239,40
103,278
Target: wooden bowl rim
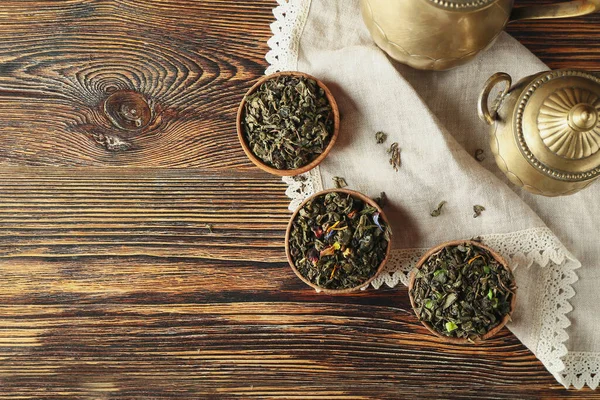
288,172
319,289
439,247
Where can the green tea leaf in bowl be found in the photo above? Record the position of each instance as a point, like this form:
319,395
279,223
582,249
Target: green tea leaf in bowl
288,122
462,291
337,241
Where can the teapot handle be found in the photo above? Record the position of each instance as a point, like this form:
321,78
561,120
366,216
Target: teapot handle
566,9
485,114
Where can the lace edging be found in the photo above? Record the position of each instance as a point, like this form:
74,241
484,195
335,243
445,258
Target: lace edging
302,186
290,17
582,368
540,246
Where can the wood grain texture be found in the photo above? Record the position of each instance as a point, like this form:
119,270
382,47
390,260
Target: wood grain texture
561,43
192,60
113,287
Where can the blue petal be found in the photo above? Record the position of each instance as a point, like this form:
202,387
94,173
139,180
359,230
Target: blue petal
376,217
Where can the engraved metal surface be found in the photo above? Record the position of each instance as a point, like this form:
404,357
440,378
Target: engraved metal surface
462,4
569,124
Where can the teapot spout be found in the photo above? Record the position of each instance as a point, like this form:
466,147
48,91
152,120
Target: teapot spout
567,9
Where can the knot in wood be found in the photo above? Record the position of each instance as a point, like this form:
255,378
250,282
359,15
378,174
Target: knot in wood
128,110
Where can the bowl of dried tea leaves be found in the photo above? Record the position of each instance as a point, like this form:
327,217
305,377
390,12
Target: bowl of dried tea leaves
287,123
462,291
338,241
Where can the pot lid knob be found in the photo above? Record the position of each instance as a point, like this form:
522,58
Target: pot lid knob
583,117
569,123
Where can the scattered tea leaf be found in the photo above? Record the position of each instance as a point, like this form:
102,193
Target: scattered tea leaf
288,122
210,228
438,211
395,160
479,155
301,189
381,200
337,241
339,182
380,137
300,178
478,210
462,291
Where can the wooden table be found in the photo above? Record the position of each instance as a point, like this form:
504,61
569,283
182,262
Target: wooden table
112,285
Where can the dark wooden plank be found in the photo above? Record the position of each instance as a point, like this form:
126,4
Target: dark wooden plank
112,285
256,350
142,212
561,43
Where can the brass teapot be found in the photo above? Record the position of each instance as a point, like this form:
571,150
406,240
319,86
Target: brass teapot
442,34
546,130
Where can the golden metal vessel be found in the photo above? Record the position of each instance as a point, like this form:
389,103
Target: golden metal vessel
546,130
442,34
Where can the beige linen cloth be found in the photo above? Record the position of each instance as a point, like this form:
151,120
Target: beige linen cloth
550,242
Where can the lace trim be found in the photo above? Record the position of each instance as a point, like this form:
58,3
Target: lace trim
521,249
581,369
290,18
302,186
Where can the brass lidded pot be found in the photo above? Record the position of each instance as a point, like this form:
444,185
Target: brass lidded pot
442,34
546,130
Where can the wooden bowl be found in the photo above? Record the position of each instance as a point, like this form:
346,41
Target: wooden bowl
288,172
422,261
319,289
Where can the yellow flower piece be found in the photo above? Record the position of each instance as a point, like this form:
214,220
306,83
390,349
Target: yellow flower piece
331,249
332,227
474,258
333,271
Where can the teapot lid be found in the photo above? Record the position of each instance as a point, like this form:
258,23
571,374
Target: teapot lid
462,4
558,124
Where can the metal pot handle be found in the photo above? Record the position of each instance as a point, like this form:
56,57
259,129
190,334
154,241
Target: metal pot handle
566,9
485,114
